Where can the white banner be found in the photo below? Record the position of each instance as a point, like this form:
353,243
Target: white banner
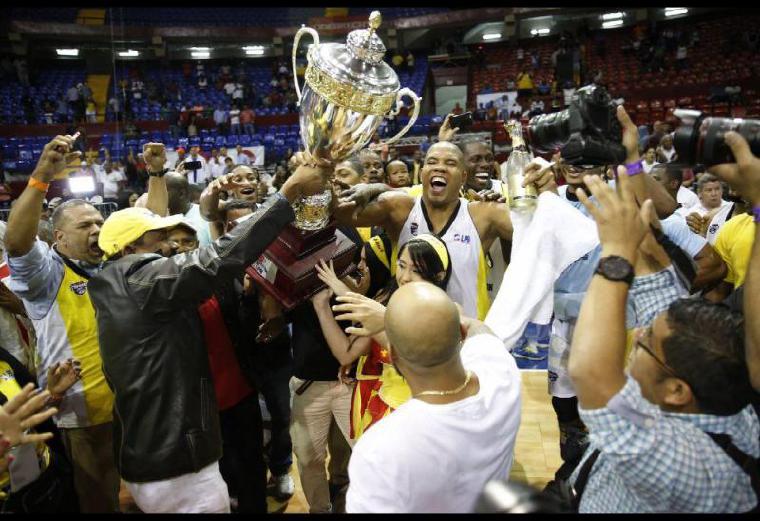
255,154
496,98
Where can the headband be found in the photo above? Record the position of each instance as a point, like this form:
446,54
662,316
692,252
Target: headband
438,245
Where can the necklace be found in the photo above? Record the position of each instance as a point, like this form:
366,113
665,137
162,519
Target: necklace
448,393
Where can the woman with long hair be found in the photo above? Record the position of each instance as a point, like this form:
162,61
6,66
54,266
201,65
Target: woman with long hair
379,388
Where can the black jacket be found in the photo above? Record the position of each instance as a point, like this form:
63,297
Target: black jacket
155,360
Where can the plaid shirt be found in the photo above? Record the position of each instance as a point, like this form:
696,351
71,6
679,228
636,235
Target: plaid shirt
652,294
655,461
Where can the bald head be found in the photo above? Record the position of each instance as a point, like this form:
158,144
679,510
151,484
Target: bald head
447,145
422,324
178,188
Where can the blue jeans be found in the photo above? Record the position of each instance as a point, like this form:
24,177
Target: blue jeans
235,129
248,129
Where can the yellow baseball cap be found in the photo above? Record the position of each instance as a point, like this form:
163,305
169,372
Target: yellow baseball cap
126,226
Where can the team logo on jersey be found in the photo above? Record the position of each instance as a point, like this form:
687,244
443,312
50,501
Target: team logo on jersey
460,237
714,228
7,375
80,288
413,228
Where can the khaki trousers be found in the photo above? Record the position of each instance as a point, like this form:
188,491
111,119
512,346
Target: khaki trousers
96,480
310,419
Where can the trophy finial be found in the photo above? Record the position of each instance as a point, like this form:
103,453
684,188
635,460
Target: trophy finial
375,19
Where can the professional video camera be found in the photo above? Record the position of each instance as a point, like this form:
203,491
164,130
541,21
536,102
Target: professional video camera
586,133
701,139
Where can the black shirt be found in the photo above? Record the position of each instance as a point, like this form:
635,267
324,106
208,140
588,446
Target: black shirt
312,357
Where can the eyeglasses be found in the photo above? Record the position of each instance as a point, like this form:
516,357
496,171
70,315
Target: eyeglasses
666,367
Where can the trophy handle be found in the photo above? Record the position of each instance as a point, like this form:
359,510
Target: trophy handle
300,33
416,112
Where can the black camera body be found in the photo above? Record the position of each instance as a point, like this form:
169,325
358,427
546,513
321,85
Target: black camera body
701,139
586,133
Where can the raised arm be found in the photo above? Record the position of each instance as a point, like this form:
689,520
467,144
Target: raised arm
154,155
25,215
389,209
744,177
644,185
343,348
209,201
597,356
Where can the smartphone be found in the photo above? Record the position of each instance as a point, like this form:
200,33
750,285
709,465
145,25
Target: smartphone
192,165
462,122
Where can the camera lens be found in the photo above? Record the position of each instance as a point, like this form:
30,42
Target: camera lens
549,132
703,140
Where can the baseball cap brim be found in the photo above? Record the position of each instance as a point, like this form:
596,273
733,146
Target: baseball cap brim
126,226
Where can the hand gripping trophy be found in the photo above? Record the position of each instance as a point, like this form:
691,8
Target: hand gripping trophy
349,89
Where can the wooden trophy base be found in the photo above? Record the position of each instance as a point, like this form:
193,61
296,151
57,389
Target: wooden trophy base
287,269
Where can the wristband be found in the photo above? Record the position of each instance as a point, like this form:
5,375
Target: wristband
160,174
38,185
756,213
634,168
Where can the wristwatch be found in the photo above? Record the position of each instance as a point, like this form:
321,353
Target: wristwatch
162,173
616,269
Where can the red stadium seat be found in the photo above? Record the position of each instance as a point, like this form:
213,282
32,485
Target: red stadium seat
739,112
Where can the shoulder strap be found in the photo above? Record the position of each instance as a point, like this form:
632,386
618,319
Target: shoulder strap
583,475
747,463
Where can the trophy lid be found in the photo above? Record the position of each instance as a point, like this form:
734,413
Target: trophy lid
358,64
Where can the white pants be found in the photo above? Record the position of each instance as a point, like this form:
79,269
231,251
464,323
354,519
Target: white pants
310,419
201,492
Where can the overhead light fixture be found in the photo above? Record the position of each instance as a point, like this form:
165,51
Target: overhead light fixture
675,11
611,24
613,16
200,48
492,36
540,32
254,50
129,53
200,54
67,52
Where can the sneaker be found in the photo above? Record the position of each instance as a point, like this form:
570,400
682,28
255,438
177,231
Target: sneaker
284,486
529,352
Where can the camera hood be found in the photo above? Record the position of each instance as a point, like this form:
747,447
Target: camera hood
685,137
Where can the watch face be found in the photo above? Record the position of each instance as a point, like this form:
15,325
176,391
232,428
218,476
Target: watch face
616,268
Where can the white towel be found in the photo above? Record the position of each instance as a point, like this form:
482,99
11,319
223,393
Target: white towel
544,243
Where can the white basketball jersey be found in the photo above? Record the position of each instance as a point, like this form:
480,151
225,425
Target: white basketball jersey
467,285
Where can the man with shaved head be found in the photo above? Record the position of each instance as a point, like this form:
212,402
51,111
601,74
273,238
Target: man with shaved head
180,202
437,451
468,228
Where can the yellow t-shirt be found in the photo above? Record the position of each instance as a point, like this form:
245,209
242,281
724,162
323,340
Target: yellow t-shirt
524,82
734,245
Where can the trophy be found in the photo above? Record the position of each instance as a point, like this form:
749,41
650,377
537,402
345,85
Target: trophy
348,91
